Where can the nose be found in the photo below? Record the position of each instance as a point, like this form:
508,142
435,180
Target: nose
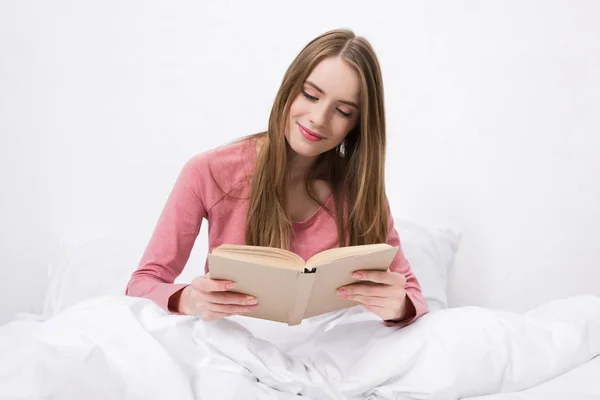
319,115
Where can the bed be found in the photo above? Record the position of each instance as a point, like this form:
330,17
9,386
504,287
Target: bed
581,383
93,342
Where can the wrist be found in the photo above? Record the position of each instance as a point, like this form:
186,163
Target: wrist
407,310
175,301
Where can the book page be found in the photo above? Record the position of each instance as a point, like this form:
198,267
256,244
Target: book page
261,255
339,253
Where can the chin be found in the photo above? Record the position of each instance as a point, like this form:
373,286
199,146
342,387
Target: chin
303,147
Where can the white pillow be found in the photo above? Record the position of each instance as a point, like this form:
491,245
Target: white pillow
430,253
95,265
89,268
90,264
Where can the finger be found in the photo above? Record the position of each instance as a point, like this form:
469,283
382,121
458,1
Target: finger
382,312
383,277
385,304
375,309
230,308
206,284
203,309
377,290
369,300
230,298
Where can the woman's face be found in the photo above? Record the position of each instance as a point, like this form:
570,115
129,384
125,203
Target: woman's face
328,107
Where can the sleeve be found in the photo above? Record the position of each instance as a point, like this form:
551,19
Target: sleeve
413,289
172,240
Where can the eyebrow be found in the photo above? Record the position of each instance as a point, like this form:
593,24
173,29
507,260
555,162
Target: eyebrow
350,103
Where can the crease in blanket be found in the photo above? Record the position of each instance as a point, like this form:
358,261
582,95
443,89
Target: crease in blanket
122,347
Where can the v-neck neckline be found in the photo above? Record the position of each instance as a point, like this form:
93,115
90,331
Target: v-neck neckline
314,215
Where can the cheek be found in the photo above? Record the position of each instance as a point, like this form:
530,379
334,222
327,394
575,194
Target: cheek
342,128
297,105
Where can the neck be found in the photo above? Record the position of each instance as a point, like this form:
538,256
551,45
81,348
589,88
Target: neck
299,167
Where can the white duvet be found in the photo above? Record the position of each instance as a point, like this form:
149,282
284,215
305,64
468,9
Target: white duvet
122,347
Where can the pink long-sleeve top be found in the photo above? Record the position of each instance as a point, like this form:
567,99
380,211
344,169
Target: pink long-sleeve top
196,196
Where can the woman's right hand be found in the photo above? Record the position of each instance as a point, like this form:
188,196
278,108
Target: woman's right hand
210,299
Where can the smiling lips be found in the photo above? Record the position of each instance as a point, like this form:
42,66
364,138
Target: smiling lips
310,135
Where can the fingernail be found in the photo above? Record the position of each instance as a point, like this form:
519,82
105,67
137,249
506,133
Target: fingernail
357,275
229,285
251,302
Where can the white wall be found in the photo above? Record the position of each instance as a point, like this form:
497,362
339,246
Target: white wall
491,107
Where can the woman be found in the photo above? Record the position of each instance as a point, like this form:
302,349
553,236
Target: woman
314,180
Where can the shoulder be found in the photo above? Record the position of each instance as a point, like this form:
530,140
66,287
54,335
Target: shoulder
222,160
221,169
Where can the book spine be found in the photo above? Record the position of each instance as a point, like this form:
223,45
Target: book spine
304,285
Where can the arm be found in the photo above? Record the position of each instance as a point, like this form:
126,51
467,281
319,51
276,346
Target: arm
172,240
415,304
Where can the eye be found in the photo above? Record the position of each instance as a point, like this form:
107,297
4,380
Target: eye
308,96
313,98
344,114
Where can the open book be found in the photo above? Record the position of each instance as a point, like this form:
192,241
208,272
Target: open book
288,288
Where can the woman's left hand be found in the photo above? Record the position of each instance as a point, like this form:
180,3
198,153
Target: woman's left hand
381,292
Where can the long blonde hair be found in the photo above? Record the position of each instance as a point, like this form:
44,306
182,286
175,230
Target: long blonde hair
355,169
